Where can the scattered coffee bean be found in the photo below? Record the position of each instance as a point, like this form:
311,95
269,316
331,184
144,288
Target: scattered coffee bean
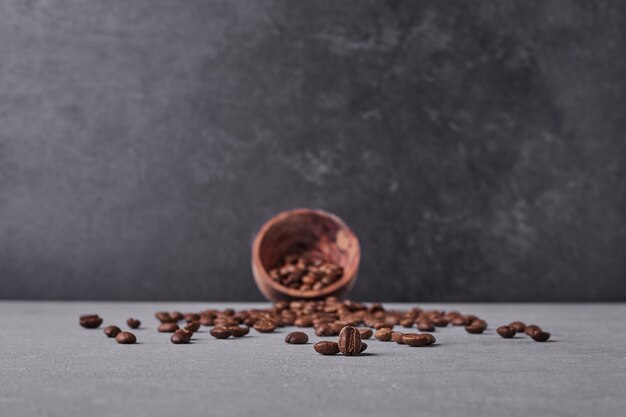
415,340
220,332
540,336
238,331
379,326
181,336
164,317
363,347
384,335
193,326
303,321
425,326
265,326
133,323
531,328
440,321
430,337
326,348
112,331
506,331
349,341
168,327
176,315
90,321
296,338
518,326
366,332
125,338
397,337
476,326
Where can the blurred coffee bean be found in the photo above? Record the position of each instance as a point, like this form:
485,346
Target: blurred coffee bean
296,338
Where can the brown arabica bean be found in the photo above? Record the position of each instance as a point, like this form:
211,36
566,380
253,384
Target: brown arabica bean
167,327
366,332
407,323
540,336
264,326
125,338
350,341
296,338
112,331
379,326
531,328
326,348
239,331
181,336
90,321
220,332
430,337
303,321
506,332
440,321
476,326
425,326
384,334
518,326
133,323
193,326
397,337
415,340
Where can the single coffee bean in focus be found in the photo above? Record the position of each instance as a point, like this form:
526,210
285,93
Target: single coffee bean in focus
296,338
181,336
220,332
326,348
415,340
350,341
125,338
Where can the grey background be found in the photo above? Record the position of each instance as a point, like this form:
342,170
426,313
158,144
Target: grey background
476,148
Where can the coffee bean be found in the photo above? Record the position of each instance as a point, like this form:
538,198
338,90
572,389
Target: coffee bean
529,330
264,326
112,331
125,338
518,326
363,347
430,337
379,326
164,317
167,327
181,336
304,321
407,322
326,348
296,338
350,341
176,315
458,321
440,321
540,336
324,330
506,331
193,326
90,321
237,331
384,335
415,340
425,326
397,337
220,332
366,332
133,323
476,326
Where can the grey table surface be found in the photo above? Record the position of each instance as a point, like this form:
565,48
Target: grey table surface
50,366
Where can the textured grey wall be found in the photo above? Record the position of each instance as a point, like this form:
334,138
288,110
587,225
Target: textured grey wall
476,148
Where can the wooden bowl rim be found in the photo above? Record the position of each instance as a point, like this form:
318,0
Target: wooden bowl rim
346,279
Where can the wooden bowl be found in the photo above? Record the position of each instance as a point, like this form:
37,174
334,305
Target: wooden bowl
305,232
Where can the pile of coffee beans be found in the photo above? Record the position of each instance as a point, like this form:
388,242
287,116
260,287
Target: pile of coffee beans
350,321
305,274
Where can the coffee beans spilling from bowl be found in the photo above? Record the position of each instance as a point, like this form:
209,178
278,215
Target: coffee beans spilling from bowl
305,274
349,321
